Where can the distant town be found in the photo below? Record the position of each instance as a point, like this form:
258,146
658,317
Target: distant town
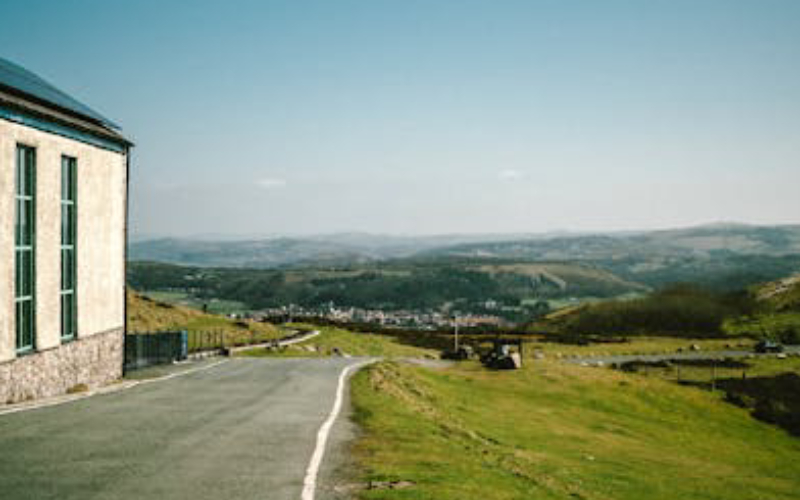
421,320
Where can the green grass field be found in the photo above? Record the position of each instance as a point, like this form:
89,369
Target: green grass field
641,345
146,314
703,374
352,343
215,306
559,431
764,325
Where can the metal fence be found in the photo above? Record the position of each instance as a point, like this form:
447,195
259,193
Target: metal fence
200,341
142,350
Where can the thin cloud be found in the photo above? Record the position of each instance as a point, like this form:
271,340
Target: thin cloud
511,175
270,183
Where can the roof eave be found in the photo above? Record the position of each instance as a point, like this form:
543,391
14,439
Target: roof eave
45,110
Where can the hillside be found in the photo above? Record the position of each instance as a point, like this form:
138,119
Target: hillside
148,315
724,257
334,249
562,276
417,284
654,248
777,315
781,295
701,241
721,256
560,431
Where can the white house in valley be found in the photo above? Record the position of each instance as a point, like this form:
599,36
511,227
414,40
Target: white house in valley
63,218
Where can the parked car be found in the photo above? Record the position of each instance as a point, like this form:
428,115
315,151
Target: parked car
768,346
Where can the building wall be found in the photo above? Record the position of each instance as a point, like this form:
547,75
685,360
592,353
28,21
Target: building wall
91,361
100,241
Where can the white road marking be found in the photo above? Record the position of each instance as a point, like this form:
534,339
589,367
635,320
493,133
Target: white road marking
310,481
181,374
103,390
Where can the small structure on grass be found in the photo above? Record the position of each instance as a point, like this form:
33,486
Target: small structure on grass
504,355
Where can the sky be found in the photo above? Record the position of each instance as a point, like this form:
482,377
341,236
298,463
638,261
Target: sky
424,117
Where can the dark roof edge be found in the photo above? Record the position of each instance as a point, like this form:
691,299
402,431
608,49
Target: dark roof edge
61,109
45,117
27,83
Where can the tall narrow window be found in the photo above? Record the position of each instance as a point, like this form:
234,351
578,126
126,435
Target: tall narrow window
69,320
24,249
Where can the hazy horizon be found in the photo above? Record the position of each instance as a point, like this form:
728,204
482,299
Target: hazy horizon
141,237
280,117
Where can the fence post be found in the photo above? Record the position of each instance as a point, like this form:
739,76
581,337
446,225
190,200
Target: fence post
184,339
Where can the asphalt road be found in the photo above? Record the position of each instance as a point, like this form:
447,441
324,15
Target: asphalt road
245,429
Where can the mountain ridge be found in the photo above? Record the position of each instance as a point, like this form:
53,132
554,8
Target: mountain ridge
346,248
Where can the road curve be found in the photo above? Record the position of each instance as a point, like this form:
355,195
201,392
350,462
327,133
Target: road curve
245,429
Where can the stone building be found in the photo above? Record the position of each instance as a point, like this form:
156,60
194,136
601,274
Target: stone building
63,217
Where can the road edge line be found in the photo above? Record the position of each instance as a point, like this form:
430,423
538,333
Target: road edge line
312,471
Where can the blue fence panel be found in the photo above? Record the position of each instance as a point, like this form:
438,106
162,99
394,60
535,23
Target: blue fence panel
147,349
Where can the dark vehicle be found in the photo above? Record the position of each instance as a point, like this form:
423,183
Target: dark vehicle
768,346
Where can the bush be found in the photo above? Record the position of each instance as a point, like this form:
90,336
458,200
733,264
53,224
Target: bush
789,335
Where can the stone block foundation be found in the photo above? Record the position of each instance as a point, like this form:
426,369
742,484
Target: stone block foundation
92,361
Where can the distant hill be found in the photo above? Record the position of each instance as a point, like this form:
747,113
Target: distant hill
719,256
255,254
654,247
398,284
331,250
698,241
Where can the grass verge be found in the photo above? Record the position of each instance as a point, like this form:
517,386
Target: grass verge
641,345
559,431
149,315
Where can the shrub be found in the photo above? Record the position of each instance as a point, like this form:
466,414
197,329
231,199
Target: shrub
789,335
680,310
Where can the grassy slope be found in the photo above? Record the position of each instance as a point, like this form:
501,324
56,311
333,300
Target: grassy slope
568,272
763,325
146,315
185,299
558,431
755,367
781,295
641,345
780,310
352,343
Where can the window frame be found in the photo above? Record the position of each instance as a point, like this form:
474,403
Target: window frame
68,297
25,249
